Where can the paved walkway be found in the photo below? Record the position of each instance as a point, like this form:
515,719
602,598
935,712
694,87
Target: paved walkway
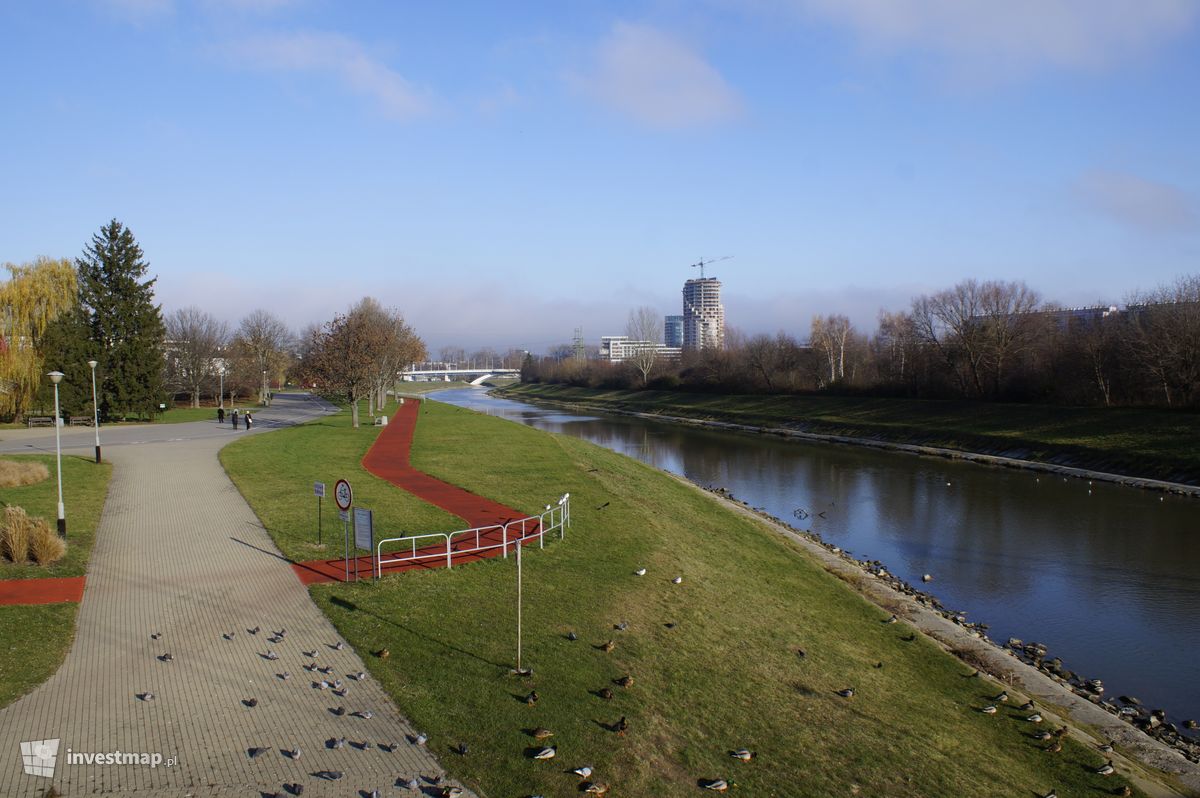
388,458
179,553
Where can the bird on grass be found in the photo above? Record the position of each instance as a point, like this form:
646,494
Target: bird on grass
716,785
1003,697
892,619
621,726
677,580
532,698
847,692
541,734
593,788
382,653
1034,718
744,754
572,636
1051,794
602,506
1062,731
909,639
549,752
421,738
990,709
1124,790
452,792
1027,706
625,681
1043,736
1106,769
461,749
609,646
583,771
1054,747
640,572
606,693
622,626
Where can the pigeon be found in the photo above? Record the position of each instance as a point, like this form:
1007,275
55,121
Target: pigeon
338,683
545,753
251,702
329,775
255,630
622,626
281,633
583,772
461,750
310,654
293,754
359,677
609,646
339,711
421,738
271,655
365,745
228,635
294,789
375,793
640,572
336,743
255,753
365,714
339,645
156,635
412,783
168,657
285,676
532,698
743,754
310,667
146,696
389,747
327,670
677,580
572,636
321,685
341,693
847,692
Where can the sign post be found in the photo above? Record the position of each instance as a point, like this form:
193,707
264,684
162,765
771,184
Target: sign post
344,496
364,536
319,490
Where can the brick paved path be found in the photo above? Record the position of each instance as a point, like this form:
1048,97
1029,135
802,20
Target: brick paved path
179,552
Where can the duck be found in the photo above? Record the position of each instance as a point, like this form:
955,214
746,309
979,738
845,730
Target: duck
1002,698
532,698
606,693
743,754
609,646
594,788
1043,736
847,692
1034,718
1054,747
716,785
892,619
1051,794
1105,748
541,733
572,636
1106,769
1027,706
621,726
625,681
452,792
548,752
990,709
382,653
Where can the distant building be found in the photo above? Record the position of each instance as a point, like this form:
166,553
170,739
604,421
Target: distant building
703,314
619,348
673,331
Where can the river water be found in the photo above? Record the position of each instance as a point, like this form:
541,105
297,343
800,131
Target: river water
1106,576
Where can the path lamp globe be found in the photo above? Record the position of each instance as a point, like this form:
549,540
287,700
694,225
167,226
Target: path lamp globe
56,378
266,400
95,409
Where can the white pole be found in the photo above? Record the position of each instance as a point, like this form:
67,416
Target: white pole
221,390
519,606
95,409
56,377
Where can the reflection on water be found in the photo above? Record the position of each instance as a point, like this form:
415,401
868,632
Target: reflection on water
1108,577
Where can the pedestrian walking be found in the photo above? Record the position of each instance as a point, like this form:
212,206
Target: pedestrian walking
220,415
234,416
249,419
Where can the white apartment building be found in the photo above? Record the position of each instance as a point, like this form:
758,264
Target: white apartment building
619,348
703,314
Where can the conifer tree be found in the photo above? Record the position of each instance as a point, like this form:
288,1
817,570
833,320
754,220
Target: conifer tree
123,323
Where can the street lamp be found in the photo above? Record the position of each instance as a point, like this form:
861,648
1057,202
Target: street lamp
221,398
266,400
95,409
56,378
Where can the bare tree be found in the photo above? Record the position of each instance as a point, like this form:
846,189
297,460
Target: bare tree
194,343
1164,335
829,335
1010,324
265,343
645,327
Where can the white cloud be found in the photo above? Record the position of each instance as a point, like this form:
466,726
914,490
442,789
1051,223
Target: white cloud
1136,202
340,56
658,80
1013,36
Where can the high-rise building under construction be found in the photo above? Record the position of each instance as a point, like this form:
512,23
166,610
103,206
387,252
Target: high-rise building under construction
703,314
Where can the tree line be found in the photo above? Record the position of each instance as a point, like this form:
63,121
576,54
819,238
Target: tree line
984,340
61,314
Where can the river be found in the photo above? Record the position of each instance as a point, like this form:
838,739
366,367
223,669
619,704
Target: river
1106,576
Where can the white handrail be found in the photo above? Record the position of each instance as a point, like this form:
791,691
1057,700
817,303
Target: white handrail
556,517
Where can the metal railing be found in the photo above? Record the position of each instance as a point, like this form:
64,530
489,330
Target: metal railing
512,533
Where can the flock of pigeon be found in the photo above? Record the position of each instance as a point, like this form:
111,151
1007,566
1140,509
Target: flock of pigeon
323,677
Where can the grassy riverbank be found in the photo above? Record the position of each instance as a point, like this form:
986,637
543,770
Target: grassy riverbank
726,674
1150,443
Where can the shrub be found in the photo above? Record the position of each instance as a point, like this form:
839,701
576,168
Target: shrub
14,474
15,534
45,545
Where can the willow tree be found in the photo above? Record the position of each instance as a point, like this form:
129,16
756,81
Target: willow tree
33,297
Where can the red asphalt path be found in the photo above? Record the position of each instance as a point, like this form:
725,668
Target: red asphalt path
41,591
389,458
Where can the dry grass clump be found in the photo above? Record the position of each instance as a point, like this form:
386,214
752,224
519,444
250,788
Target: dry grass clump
15,474
23,538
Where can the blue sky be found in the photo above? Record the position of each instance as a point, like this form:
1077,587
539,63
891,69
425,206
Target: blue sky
504,173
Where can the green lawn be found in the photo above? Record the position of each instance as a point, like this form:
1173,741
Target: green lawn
1142,442
277,477
180,415
33,642
85,486
726,675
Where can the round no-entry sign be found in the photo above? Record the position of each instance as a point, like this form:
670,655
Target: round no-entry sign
343,495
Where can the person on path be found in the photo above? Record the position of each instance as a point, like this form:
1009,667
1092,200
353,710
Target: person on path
220,415
249,420
234,416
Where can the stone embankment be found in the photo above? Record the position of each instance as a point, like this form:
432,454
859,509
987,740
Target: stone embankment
1144,737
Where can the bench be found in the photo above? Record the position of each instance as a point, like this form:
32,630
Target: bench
80,421
39,421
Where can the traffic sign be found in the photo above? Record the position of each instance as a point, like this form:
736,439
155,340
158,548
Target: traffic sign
343,495
319,489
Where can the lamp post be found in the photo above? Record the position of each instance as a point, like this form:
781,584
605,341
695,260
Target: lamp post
264,388
56,378
221,390
95,409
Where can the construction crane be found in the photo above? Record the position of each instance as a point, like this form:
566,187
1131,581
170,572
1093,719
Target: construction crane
708,262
